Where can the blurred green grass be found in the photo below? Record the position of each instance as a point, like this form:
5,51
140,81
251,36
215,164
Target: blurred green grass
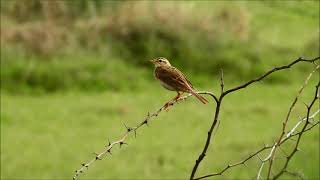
48,136
72,74
48,48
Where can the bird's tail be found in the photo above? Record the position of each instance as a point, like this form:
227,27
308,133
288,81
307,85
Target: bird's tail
202,99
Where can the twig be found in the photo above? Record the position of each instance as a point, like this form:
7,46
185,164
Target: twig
229,166
218,100
300,59
224,93
129,130
299,134
284,124
221,81
288,136
213,125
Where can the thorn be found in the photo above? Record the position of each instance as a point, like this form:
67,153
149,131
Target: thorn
83,164
122,143
135,133
287,157
109,151
146,122
97,158
128,128
265,145
125,125
95,153
306,105
109,142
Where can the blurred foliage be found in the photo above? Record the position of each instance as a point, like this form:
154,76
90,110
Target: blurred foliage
62,40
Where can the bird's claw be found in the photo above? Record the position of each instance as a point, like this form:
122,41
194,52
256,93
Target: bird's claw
167,105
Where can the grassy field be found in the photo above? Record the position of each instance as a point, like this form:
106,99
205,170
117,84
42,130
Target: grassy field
59,50
48,136
73,72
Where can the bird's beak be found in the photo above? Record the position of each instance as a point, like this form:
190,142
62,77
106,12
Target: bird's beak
152,61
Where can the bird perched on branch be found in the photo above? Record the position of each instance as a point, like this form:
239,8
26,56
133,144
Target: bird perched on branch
173,79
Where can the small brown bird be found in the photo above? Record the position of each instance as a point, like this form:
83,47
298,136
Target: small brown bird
173,79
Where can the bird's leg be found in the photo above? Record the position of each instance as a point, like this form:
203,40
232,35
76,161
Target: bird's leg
177,98
170,103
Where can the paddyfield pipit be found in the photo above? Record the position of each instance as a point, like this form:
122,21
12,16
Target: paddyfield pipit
173,79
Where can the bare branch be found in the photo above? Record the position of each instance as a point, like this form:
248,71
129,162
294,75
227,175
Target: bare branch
215,123
206,146
129,130
222,81
288,136
299,134
224,93
270,72
284,124
242,162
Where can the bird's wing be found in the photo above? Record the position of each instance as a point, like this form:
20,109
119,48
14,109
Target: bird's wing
182,76
189,83
173,77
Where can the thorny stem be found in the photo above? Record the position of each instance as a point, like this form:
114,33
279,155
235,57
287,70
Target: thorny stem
284,124
316,96
129,130
224,93
121,141
288,136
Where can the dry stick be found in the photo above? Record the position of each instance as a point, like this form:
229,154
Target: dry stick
203,153
291,132
316,96
284,124
224,93
229,166
280,141
300,59
121,141
108,148
288,136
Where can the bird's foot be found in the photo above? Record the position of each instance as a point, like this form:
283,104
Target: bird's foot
167,105
180,99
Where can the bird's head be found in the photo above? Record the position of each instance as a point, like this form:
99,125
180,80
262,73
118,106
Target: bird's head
160,61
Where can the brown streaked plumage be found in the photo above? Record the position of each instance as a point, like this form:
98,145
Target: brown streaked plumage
173,79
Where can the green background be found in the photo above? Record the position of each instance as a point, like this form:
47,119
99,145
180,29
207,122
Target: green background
72,72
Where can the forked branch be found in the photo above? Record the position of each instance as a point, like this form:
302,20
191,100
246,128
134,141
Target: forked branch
256,154
224,93
284,137
285,122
